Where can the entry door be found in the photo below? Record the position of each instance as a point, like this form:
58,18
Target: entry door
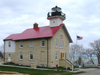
61,55
9,57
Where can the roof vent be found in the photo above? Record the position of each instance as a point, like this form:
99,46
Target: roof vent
35,25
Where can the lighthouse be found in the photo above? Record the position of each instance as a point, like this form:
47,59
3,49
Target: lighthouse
56,16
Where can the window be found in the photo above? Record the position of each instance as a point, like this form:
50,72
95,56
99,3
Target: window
21,56
42,43
60,43
21,44
65,56
53,21
56,54
9,44
9,55
31,43
60,32
55,42
31,55
65,45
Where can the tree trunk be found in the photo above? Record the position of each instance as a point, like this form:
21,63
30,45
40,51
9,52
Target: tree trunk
79,60
98,60
92,61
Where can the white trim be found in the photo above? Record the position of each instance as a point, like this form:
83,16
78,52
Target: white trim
68,61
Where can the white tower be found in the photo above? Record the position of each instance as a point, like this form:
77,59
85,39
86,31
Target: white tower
56,17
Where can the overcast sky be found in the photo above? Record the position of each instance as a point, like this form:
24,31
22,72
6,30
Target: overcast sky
82,17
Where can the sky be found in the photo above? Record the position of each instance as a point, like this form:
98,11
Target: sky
82,17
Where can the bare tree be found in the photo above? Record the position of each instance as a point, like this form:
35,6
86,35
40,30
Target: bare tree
89,53
2,48
96,47
1,54
76,51
80,51
73,48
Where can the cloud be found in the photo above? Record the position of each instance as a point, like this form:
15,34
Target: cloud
82,17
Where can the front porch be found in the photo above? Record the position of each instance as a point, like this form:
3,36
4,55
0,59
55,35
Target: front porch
65,63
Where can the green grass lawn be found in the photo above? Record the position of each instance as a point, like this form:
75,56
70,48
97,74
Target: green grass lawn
34,71
11,63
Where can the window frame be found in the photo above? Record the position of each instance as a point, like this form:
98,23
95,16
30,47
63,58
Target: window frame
65,55
31,43
56,42
65,45
42,41
21,44
9,55
9,44
21,56
60,43
30,56
56,55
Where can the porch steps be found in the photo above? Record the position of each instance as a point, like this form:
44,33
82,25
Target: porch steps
65,63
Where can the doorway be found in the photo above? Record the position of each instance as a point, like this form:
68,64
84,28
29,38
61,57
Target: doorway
61,55
9,57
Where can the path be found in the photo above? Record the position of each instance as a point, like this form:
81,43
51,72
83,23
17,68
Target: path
92,71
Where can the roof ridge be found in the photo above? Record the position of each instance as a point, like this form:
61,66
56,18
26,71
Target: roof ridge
40,32
39,27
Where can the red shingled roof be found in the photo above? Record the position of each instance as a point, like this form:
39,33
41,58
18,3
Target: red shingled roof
33,33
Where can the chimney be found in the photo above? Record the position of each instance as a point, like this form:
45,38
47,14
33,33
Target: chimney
35,25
